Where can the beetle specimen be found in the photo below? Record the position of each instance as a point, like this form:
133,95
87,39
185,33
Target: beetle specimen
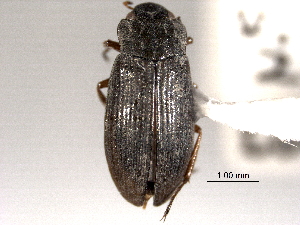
150,109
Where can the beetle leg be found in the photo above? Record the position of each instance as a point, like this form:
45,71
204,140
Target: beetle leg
189,40
112,44
109,44
147,197
127,3
188,171
102,84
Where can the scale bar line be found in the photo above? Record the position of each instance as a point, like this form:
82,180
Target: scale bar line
233,181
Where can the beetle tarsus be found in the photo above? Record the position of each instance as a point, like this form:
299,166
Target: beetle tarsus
188,172
172,199
102,84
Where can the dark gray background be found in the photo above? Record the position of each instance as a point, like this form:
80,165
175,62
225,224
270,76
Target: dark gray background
52,163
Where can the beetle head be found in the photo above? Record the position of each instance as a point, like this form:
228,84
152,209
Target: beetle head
150,11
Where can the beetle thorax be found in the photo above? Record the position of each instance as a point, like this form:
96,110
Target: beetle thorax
152,40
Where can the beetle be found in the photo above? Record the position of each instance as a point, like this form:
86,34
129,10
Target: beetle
150,109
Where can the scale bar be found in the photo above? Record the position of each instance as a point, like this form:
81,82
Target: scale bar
233,181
